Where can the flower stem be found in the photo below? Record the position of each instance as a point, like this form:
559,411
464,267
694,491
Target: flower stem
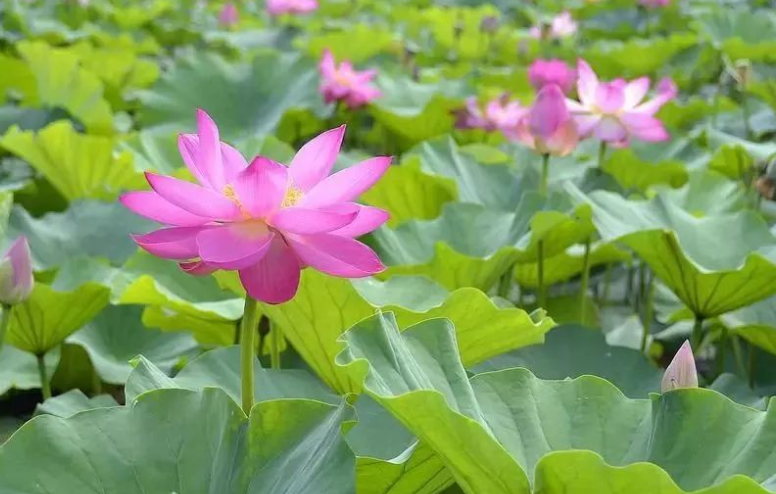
5,321
585,282
697,334
545,174
274,356
647,311
601,154
45,384
542,288
723,341
247,352
750,366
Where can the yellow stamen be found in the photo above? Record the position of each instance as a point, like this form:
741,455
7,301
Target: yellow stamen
293,196
230,194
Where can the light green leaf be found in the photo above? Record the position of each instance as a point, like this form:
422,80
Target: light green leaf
568,264
72,402
116,336
675,245
209,446
48,317
63,83
324,307
637,56
493,430
79,166
358,43
19,369
732,161
756,323
633,173
259,93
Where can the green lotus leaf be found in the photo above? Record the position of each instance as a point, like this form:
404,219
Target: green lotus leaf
568,264
732,161
637,56
758,150
17,78
408,193
756,323
707,193
324,307
79,166
358,43
493,430
116,336
72,402
61,82
418,471
738,390
741,33
208,446
220,368
471,245
87,228
496,186
416,111
633,173
571,351
675,245
259,93
19,369
48,317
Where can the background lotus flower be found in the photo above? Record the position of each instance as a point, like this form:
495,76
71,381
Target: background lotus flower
614,111
549,127
561,26
280,7
16,281
544,72
500,114
681,372
655,3
264,220
228,16
343,83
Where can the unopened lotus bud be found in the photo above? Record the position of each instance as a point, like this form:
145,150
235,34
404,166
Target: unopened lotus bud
489,24
743,74
681,372
16,280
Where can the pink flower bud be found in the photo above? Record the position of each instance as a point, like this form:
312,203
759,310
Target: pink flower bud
16,280
549,129
681,372
544,72
228,16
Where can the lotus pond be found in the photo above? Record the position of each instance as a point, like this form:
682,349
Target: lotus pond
387,247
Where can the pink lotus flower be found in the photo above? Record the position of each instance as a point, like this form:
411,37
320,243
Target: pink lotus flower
228,16
500,114
344,83
681,372
549,127
16,279
614,112
280,7
544,72
655,3
561,26
264,220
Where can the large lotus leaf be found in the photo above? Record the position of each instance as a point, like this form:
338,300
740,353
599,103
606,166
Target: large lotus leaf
158,283
471,245
492,430
63,83
220,368
408,193
48,317
756,323
707,193
637,56
116,336
570,351
741,33
732,161
88,228
495,186
568,264
17,78
72,402
737,271
19,370
415,111
259,93
358,43
758,150
417,471
324,307
79,166
635,174
175,440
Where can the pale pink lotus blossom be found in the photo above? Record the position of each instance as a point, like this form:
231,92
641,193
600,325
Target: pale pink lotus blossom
264,220
549,127
543,72
16,281
228,16
344,83
681,372
280,7
500,114
655,3
561,26
614,112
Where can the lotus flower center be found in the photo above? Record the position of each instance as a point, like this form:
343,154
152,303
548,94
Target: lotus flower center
344,78
293,196
230,194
